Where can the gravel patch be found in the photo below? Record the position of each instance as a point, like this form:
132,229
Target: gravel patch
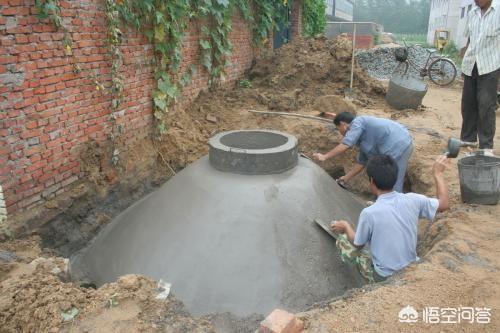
380,62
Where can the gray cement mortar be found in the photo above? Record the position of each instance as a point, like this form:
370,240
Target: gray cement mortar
243,244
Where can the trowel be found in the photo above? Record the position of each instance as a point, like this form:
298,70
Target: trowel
326,226
454,146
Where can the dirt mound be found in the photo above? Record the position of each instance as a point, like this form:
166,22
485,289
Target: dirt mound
298,73
333,103
307,76
36,297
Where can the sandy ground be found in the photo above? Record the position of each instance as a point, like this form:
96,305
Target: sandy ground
459,252
462,267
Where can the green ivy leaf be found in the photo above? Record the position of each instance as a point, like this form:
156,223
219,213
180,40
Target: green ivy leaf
193,70
206,61
51,7
149,34
205,44
205,30
159,33
224,3
162,128
115,103
167,88
159,94
185,79
162,47
159,17
160,103
164,75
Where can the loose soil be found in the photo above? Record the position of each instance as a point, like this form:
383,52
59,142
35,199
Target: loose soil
459,251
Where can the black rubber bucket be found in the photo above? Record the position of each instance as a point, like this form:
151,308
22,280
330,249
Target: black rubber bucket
479,179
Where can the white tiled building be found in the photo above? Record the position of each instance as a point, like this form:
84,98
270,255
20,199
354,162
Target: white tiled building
465,7
444,15
451,15
340,10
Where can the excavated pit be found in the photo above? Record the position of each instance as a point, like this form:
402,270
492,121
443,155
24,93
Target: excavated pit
233,231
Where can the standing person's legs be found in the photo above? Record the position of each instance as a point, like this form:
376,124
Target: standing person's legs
487,105
469,108
402,163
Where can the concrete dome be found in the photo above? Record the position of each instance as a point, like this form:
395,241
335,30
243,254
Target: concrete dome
239,240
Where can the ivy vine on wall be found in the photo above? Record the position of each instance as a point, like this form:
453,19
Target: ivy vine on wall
165,23
50,10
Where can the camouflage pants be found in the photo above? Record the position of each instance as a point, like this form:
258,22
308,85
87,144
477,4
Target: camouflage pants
361,258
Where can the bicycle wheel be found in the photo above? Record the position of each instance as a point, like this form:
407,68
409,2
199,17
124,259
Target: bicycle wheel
442,71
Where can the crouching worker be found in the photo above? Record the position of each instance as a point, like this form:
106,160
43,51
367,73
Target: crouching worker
373,136
390,224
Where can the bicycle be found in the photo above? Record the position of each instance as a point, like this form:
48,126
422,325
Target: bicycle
441,70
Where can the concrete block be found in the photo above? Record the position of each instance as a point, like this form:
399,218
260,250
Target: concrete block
280,321
253,152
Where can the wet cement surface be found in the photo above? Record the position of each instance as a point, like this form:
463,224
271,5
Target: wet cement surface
231,243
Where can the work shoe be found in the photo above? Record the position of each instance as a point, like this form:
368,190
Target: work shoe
488,152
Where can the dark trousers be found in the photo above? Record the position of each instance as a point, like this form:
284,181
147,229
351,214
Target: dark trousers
479,103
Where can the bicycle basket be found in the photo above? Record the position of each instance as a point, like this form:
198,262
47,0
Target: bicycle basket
401,54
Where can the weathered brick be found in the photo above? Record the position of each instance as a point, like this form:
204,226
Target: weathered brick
15,2
24,178
36,166
38,91
50,190
22,39
31,125
32,151
11,11
30,200
35,158
31,133
280,321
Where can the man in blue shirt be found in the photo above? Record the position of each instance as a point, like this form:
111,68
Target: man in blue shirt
373,136
390,225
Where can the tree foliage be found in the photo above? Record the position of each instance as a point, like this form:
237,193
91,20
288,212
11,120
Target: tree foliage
398,16
314,17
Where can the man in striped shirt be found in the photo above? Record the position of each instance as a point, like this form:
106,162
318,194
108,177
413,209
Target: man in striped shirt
480,67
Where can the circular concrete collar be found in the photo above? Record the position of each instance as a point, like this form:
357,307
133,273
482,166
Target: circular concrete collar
253,152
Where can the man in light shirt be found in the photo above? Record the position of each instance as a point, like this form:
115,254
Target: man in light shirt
373,136
390,225
480,67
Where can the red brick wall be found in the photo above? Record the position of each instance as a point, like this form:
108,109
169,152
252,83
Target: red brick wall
47,112
363,41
